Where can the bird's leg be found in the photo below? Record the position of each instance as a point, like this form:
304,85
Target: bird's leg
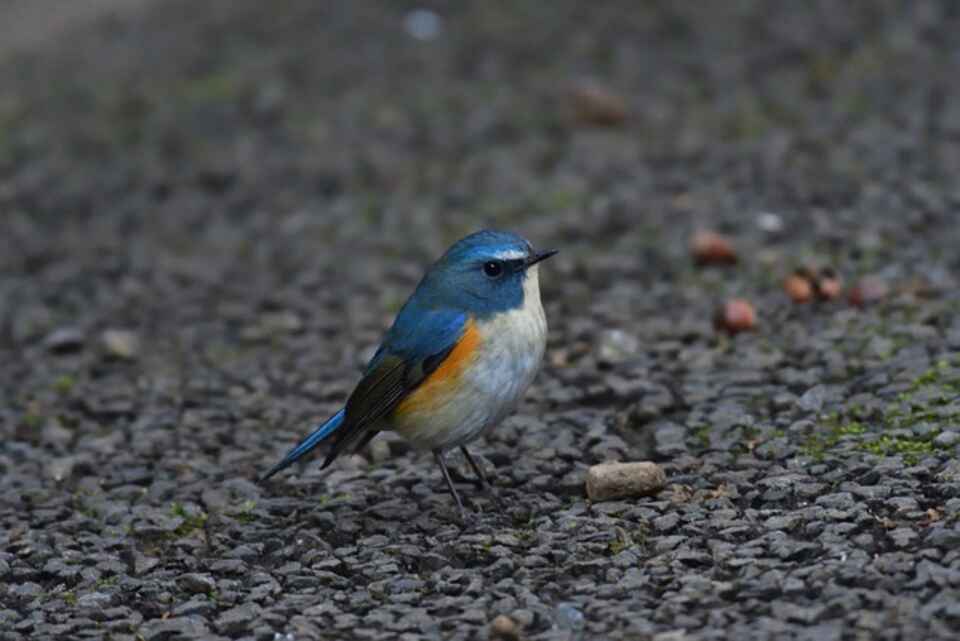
482,481
437,454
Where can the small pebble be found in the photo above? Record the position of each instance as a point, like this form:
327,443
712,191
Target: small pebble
735,316
597,105
711,248
947,439
617,346
623,480
870,289
422,24
281,322
63,340
504,628
798,287
196,583
770,222
379,450
570,618
120,343
828,284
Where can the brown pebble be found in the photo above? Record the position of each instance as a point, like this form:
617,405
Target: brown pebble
711,248
503,628
869,289
596,105
624,480
828,284
798,287
736,316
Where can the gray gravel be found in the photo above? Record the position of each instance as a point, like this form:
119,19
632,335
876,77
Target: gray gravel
209,215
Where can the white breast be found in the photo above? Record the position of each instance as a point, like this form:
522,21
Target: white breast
512,346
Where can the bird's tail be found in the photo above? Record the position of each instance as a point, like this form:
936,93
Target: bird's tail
307,444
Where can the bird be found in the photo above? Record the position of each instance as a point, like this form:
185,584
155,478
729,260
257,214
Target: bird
456,361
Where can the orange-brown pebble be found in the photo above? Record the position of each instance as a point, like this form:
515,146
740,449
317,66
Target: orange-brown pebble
870,289
597,105
736,316
711,248
798,287
829,285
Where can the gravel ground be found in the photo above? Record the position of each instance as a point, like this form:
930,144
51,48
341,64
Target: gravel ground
30,24
210,213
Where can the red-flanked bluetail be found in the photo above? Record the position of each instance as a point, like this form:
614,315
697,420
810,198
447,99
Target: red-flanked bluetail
457,359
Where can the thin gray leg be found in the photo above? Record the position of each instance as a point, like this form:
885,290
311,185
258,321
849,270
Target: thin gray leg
437,454
482,479
481,476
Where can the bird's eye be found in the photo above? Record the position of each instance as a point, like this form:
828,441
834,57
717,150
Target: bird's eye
493,269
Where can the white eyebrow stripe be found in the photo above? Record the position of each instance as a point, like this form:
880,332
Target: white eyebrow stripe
510,254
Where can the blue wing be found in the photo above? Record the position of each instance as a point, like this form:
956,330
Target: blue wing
414,346
417,333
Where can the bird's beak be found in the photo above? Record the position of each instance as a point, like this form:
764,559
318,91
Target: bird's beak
536,257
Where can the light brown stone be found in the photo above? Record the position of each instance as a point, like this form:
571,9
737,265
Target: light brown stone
624,480
504,628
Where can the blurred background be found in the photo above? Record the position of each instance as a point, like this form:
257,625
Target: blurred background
167,131
36,23
224,178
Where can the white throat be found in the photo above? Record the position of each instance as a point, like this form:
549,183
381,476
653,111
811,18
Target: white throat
531,288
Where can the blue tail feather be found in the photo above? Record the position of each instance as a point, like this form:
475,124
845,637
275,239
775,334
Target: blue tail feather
307,444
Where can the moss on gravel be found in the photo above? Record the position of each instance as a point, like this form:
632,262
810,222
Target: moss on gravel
893,432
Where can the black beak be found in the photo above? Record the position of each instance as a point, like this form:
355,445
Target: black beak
536,257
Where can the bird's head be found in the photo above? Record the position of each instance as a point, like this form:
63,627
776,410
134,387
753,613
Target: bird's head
485,273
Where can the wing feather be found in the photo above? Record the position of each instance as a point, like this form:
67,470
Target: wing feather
414,347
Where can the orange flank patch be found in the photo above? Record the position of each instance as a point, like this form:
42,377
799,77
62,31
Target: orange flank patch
443,382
